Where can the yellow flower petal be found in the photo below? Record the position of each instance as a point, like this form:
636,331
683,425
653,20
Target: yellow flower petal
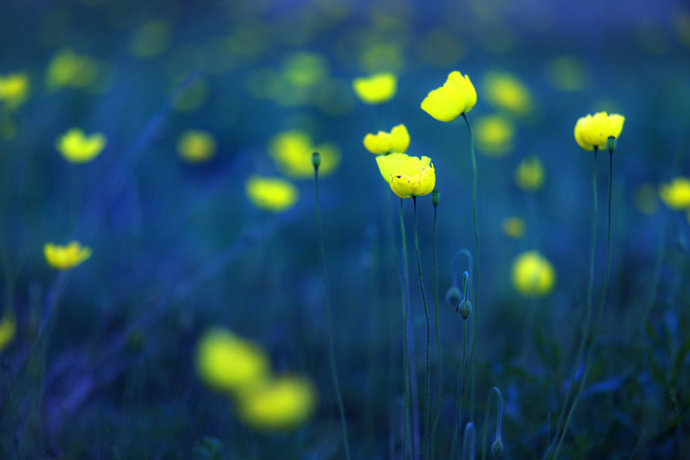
196,146
396,141
65,257
377,88
76,147
594,130
676,195
529,174
455,97
271,194
533,276
408,176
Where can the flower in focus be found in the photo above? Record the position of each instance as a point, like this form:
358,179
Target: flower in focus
65,257
533,276
514,227
8,326
67,69
529,174
676,195
196,146
76,147
594,131
227,362
455,97
494,135
278,404
292,152
377,88
408,176
506,92
381,143
271,194
14,89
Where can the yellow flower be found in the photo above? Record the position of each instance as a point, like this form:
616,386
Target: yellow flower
279,404
533,275
494,134
68,69
514,227
65,257
271,194
408,176
227,362
8,327
196,146
292,152
396,141
455,97
529,174
507,92
676,195
377,88
14,89
594,131
76,147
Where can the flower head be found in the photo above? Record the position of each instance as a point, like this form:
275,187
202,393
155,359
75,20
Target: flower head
67,69
455,97
514,227
271,194
77,147
408,176
377,88
507,92
533,275
494,135
65,257
8,326
397,140
595,130
292,152
529,174
14,89
676,195
196,146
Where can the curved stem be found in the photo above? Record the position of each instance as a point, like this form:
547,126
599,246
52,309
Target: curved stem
406,357
499,417
438,342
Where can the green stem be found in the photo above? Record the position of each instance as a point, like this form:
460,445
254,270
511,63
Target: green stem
329,324
499,417
438,342
406,357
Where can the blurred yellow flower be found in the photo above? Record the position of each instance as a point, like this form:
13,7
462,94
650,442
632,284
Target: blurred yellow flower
455,97
292,152
494,134
14,89
408,176
68,69
150,39
279,404
594,131
271,194
76,147
676,195
304,69
196,146
8,327
65,257
529,174
514,227
227,362
396,141
533,275
506,92
377,88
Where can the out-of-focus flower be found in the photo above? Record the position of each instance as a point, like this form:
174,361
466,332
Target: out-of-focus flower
8,327
377,88
646,200
676,194
65,257
227,362
196,146
514,227
533,275
67,69
292,152
271,194
529,174
14,89
594,131
505,91
304,69
77,147
494,134
408,176
279,404
397,140
455,97
150,39
566,73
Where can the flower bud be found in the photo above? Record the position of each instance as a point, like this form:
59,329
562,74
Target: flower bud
453,297
611,144
497,447
465,309
316,160
435,197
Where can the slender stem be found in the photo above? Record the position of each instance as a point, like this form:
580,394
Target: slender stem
476,255
459,393
329,323
499,417
438,342
406,357
427,405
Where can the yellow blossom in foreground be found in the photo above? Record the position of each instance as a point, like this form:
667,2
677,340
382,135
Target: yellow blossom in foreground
68,69
514,227
377,88
292,152
408,176
196,146
529,174
271,194
494,134
8,327
227,362
676,195
76,147
455,97
506,92
594,131
396,141
533,276
279,404
14,89
65,257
